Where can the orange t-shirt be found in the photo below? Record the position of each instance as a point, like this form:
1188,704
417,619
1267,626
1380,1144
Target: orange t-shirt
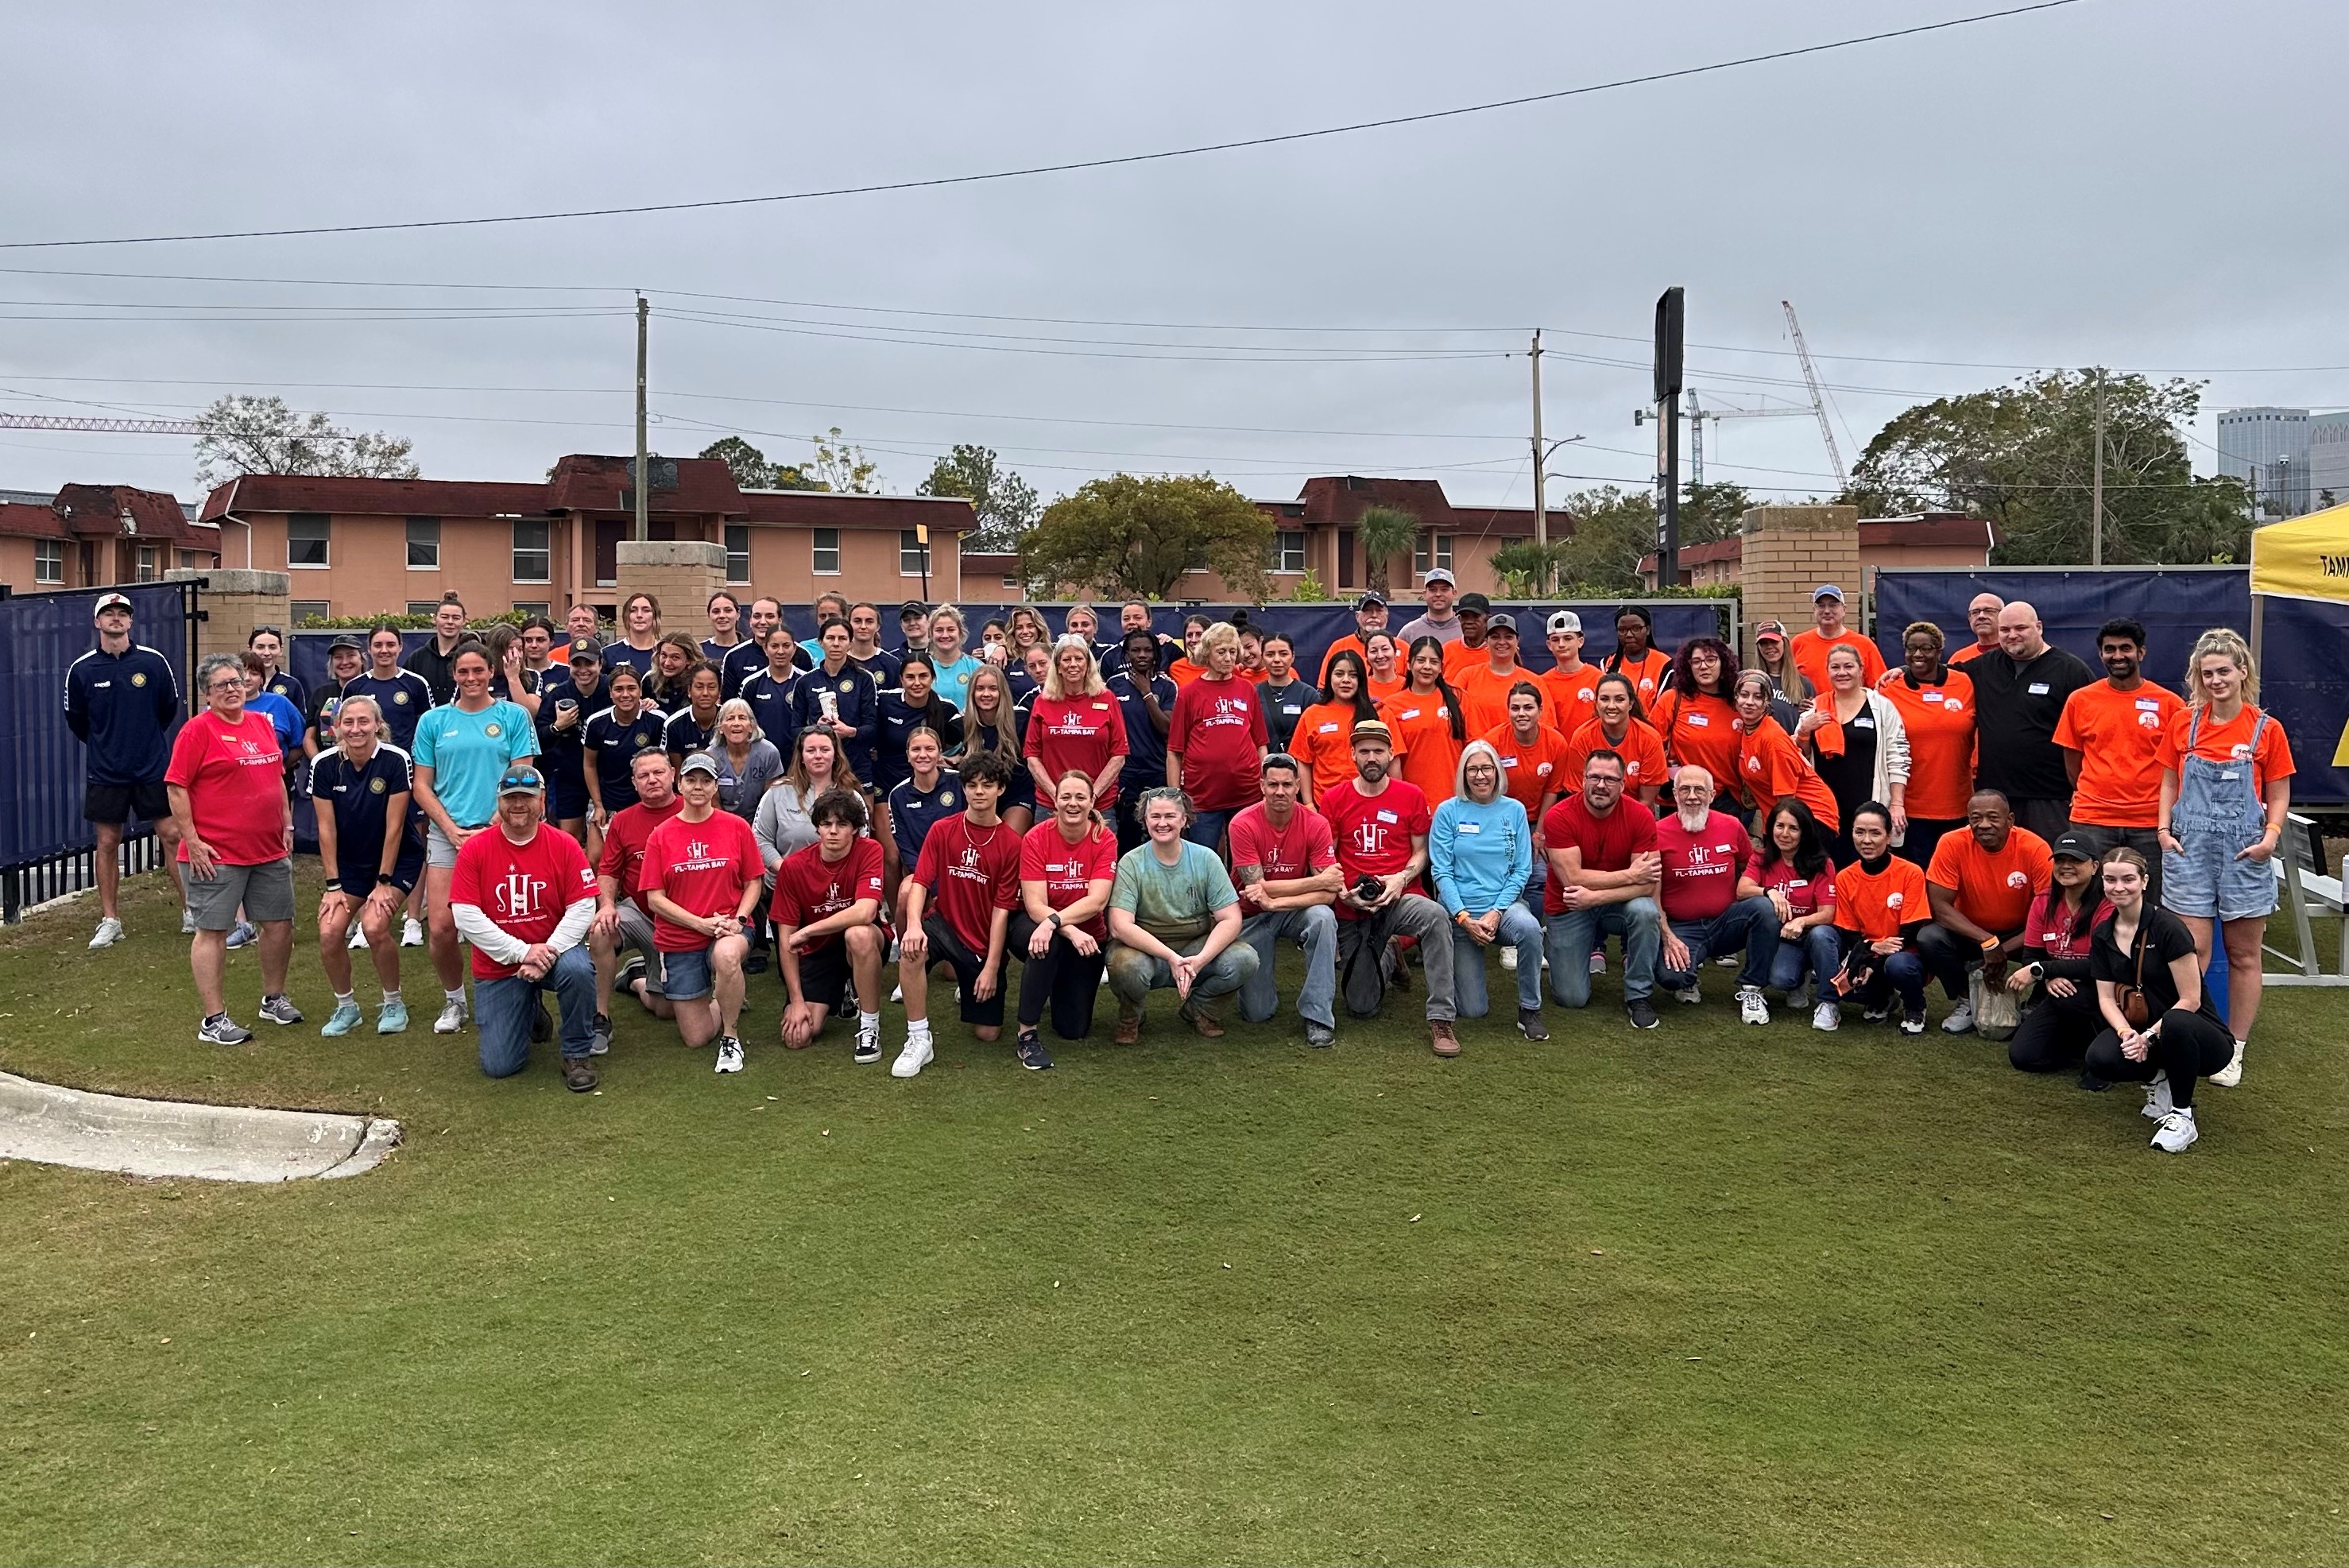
1995,891
1484,696
1646,672
1970,651
1567,699
1422,738
1382,690
1183,671
1877,906
1530,772
1348,643
1323,744
1698,731
1457,657
2118,735
1940,725
1810,648
1642,751
1770,766
2228,742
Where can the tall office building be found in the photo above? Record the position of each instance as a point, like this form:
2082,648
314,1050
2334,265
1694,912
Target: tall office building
2328,459
2268,450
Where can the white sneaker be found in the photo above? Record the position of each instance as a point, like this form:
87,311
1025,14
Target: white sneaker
1510,959
1961,1021
110,931
897,992
359,937
2226,1077
1826,1017
2176,1132
1599,963
411,933
451,1019
1752,1006
187,922
916,1056
730,1053
2157,1103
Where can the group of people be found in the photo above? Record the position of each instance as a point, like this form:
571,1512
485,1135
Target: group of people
663,817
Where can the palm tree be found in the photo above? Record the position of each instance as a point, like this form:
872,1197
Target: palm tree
1385,532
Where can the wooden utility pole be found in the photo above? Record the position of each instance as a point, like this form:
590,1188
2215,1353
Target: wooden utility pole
644,467
2096,484
1541,459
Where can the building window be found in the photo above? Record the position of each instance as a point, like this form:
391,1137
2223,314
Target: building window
825,558
530,607
1435,545
532,563
738,553
151,563
1287,553
305,539
192,560
424,544
48,560
301,610
1345,558
913,555
423,607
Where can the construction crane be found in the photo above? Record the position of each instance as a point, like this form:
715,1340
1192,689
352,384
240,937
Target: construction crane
1818,399
112,427
1696,414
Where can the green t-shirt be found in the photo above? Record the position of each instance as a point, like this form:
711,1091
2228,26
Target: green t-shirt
1175,903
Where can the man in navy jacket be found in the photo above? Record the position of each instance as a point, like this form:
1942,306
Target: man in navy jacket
122,703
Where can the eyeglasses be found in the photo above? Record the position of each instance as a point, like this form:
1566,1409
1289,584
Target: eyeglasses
235,684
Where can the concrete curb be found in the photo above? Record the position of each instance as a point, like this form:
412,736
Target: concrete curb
52,1126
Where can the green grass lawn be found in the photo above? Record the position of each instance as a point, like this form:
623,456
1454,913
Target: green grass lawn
1705,1294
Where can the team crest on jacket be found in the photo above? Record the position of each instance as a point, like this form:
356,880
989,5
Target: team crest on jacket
139,678
493,731
945,797
400,698
375,786
848,685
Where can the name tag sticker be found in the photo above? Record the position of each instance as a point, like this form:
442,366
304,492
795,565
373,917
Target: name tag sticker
1698,720
1863,723
1387,816
1934,697
2037,689
2148,705
1292,710
1472,827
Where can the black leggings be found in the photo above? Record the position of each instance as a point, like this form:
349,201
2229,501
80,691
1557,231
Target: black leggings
2055,1034
1949,958
1924,833
1069,979
2191,1045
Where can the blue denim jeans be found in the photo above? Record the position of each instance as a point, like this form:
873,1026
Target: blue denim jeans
1818,955
1206,830
1519,929
1135,974
502,1010
1752,923
1315,930
1572,935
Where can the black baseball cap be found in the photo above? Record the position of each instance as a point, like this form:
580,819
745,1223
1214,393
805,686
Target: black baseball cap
1475,603
912,607
586,648
2070,847
346,640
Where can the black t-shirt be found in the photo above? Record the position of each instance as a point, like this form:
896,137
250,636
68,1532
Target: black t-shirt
1851,777
2163,939
1284,705
428,661
2016,709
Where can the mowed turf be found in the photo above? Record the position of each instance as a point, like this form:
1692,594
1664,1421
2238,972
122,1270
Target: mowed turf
1706,1293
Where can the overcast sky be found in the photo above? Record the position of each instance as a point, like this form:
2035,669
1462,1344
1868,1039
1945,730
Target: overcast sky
2146,184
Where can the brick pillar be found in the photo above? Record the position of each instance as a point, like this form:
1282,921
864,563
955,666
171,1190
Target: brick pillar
1787,551
233,602
681,574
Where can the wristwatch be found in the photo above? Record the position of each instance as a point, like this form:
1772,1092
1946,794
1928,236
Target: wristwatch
383,880
1055,919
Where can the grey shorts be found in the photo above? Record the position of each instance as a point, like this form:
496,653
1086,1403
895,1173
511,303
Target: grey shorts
636,932
266,891
439,852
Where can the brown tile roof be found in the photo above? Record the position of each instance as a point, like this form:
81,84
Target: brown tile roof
825,509
591,484
387,498
92,510
1339,499
18,521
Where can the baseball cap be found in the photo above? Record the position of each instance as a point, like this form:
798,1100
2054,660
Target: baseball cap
2070,847
1476,602
913,606
1767,628
1371,601
344,641
1373,729
586,648
1440,575
1827,591
1564,620
521,780
698,762
1502,622
109,601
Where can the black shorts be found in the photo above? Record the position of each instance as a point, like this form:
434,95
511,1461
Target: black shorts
357,877
114,804
949,949
823,975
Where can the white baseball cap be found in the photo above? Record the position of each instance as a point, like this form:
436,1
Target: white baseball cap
1440,575
1564,620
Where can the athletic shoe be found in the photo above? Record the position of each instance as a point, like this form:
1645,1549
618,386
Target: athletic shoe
242,934
916,1056
1727,960
577,1076
1510,959
343,1019
1876,1014
868,1042
411,933
1599,963
1826,1018
451,1019
632,970
1961,1021
1752,1006
730,1053
187,922
110,931
1643,1011
2226,1077
755,962
222,1030
1201,1020
393,1019
897,992
1320,1037
1689,995
359,937
1440,1035
1800,998
1032,1054
1530,1024
1913,1023
599,1035
281,1009
2157,1103
2176,1132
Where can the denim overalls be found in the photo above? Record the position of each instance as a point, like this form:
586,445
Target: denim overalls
2218,812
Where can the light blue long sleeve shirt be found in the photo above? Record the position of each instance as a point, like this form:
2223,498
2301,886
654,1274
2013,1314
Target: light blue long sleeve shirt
1481,855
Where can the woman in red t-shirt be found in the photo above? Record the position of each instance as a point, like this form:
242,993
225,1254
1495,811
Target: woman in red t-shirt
1074,723
2056,1029
1067,863
1792,870
1216,737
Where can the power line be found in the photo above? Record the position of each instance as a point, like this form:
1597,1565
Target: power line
937,181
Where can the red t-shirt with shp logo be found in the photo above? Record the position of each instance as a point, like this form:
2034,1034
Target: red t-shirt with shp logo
524,888
809,888
1218,726
1701,864
701,867
623,859
1080,732
971,872
1373,833
236,778
1069,870
1304,848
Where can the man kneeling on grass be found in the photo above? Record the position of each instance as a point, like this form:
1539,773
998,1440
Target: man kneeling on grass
522,894
958,912
827,915
1174,923
702,881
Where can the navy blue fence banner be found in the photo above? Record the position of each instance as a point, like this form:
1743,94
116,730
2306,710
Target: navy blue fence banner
43,772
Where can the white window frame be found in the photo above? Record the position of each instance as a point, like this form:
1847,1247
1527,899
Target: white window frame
910,548
1442,544
429,547
325,542
543,550
422,607
823,542
150,563
1288,545
532,607
738,533
300,610
49,561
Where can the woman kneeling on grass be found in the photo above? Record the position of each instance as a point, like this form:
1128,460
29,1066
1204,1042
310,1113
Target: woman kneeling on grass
1066,868
1791,870
2160,1027
1879,898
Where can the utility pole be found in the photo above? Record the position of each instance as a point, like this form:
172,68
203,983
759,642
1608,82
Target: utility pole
1541,457
644,466
2096,486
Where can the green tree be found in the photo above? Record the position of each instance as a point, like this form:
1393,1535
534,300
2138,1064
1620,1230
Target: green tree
1134,536
1711,512
2024,454
1385,532
1601,560
839,464
1006,504
244,434
754,471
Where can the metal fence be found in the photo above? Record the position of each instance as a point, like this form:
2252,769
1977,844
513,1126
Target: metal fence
47,850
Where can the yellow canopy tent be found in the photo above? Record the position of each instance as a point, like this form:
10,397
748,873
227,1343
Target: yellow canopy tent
2303,558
